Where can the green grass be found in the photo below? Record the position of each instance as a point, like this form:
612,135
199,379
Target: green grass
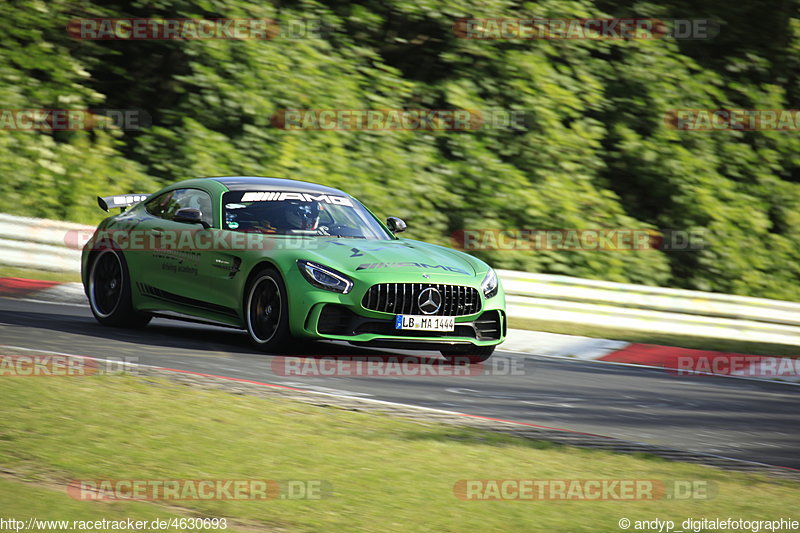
683,341
387,474
22,501
29,273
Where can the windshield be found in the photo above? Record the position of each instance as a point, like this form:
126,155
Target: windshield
295,213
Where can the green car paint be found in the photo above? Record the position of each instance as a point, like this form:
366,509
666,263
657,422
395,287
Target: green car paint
209,278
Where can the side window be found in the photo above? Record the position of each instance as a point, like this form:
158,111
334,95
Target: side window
195,199
165,205
159,205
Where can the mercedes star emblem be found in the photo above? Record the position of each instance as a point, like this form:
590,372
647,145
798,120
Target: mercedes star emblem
429,301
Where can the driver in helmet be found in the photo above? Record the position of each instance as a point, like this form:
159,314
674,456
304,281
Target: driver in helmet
302,215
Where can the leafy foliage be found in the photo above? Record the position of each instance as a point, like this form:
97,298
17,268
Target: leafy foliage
596,152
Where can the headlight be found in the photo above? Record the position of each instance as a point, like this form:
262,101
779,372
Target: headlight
489,284
324,277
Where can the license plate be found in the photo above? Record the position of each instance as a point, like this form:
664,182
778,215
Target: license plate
427,323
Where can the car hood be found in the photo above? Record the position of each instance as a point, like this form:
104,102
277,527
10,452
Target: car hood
401,256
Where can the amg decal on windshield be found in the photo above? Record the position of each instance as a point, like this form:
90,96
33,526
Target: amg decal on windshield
369,266
280,196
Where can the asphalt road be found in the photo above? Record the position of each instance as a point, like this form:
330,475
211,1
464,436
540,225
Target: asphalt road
751,420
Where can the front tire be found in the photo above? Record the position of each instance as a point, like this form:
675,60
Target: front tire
470,355
110,291
266,311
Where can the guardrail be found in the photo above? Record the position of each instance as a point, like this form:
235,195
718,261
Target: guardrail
39,243
42,244
603,304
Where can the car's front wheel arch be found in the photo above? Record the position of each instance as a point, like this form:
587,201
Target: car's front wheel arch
266,296
245,287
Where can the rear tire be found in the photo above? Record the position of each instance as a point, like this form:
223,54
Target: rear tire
109,291
470,355
266,311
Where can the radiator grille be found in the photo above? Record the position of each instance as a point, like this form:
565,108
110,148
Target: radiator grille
403,299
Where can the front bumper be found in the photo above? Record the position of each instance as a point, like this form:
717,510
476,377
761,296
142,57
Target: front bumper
338,322
321,314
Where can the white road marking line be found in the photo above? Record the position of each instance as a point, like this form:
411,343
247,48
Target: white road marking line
318,388
179,371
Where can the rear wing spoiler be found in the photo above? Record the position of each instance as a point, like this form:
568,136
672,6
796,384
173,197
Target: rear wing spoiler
121,201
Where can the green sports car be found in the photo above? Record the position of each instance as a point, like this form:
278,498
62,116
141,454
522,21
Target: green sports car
287,259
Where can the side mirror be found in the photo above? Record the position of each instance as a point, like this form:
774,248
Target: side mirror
190,215
396,224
